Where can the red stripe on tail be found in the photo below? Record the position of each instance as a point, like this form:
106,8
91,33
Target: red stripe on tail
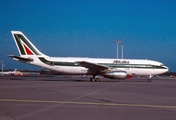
28,51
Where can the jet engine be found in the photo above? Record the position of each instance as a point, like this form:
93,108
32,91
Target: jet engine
116,75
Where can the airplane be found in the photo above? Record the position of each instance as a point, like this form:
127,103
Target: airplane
107,67
8,72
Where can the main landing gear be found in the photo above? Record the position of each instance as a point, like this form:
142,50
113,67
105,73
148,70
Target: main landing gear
94,79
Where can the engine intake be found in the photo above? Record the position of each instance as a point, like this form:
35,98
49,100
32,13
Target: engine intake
116,75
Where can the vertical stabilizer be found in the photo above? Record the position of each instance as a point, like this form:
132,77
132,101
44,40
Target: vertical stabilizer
25,47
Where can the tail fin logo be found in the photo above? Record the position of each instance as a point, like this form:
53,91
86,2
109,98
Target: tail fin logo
25,47
28,51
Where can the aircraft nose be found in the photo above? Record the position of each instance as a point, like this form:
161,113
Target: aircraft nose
167,69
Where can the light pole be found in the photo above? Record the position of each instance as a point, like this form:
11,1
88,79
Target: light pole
117,41
122,50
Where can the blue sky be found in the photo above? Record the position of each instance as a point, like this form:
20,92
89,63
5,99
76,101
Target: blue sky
88,28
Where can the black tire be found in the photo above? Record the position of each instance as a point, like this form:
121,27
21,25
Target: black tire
97,79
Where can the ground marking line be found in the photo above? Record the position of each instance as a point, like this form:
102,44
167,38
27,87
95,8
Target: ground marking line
57,104
89,103
91,93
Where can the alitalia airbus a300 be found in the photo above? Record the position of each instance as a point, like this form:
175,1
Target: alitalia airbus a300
110,68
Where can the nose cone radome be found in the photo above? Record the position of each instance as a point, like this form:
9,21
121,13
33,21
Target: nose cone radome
166,69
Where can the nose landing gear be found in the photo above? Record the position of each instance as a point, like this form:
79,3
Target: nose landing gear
150,78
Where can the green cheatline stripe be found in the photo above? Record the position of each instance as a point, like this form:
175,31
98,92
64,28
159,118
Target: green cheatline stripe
89,103
52,63
143,66
74,64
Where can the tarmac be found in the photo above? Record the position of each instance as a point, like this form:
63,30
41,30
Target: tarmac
76,98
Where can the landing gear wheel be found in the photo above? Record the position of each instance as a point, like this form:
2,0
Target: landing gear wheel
92,79
149,80
97,79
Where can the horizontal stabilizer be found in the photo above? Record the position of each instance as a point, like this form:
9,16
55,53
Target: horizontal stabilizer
21,58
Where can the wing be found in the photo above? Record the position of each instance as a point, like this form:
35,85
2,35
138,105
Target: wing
92,66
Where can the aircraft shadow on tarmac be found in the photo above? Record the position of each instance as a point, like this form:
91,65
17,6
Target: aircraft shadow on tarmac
71,79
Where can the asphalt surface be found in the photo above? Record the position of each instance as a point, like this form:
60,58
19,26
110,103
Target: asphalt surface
74,98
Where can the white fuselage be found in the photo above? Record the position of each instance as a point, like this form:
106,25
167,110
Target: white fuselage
131,66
